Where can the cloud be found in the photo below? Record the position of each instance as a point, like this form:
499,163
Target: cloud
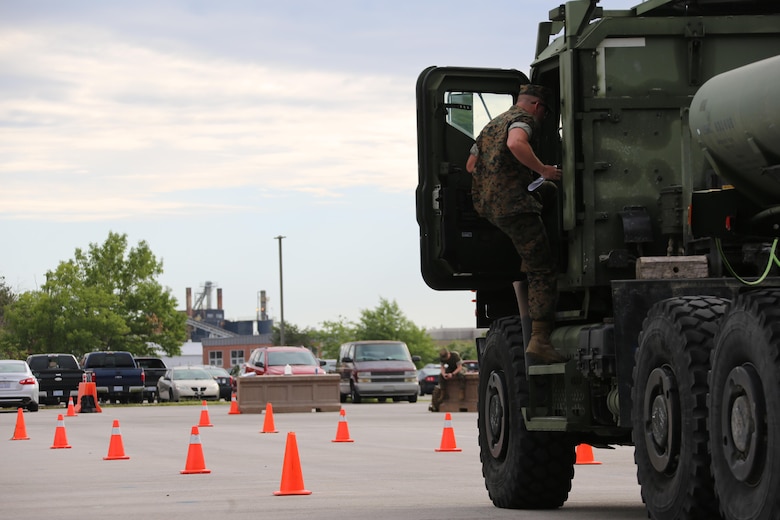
113,128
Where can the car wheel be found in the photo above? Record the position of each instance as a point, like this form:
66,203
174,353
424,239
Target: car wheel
413,398
32,406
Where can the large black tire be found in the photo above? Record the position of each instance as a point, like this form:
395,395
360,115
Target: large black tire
744,418
522,469
669,416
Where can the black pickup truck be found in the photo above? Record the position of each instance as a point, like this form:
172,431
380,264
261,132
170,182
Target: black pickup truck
154,369
116,375
58,377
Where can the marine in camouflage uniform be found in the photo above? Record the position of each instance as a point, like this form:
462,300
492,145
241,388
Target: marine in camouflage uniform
500,194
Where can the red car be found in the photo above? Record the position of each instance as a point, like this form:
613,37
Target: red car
273,361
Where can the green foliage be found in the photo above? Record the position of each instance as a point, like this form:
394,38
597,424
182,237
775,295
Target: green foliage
106,298
293,335
388,322
331,336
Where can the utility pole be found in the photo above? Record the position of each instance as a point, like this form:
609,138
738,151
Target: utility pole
281,292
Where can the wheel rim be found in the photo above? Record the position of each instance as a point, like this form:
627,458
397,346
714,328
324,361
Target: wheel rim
496,417
742,423
662,418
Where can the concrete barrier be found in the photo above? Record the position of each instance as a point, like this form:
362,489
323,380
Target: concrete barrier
461,398
296,393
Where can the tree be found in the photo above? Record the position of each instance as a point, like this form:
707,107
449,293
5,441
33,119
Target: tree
332,335
105,298
293,335
388,322
7,297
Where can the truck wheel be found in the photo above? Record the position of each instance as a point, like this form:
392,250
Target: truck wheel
670,407
744,418
522,469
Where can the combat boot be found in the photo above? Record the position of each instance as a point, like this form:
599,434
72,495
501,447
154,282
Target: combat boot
540,350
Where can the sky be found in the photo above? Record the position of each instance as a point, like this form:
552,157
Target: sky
209,128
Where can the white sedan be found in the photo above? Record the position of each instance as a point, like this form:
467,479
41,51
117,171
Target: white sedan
18,385
187,383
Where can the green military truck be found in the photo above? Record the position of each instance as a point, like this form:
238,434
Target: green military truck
667,129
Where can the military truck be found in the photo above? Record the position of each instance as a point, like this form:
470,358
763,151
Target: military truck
667,128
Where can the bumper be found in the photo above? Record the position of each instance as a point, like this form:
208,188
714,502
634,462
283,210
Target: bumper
19,401
120,390
387,389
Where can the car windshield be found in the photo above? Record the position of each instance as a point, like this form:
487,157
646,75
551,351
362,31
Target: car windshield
217,371
291,357
381,352
190,373
12,367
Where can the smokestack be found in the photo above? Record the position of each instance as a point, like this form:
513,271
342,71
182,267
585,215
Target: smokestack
219,298
189,301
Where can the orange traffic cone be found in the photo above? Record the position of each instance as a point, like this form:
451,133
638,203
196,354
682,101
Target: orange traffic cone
195,461
116,449
204,415
292,479
60,437
448,436
342,432
71,408
233,405
20,432
585,454
268,423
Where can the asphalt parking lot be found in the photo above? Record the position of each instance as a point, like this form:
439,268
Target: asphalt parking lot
390,471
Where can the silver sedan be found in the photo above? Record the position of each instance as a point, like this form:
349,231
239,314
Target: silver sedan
187,383
18,385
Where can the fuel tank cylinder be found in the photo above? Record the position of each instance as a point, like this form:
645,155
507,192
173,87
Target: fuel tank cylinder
735,116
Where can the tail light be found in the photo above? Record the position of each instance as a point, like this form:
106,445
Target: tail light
28,381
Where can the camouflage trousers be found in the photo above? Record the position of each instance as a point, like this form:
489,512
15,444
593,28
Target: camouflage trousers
529,237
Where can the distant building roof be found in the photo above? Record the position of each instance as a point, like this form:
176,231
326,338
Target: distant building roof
256,339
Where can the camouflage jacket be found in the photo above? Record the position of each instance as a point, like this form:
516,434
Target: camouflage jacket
500,182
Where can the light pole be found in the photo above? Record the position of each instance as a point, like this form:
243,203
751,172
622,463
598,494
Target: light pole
281,292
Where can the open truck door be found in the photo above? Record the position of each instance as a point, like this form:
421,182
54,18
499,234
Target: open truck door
459,249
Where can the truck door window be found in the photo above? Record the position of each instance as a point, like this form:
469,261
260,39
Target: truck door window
469,112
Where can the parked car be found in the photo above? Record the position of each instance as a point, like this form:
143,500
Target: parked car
58,377
470,365
154,369
273,360
378,369
428,377
223,379
18,385
187,382
329,365
116,375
